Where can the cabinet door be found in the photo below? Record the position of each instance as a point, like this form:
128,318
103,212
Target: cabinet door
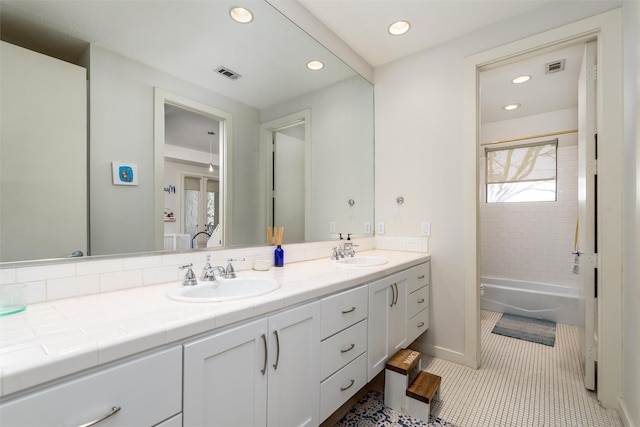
387,321
294,367
225,379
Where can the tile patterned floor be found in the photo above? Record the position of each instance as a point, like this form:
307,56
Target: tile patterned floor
519,384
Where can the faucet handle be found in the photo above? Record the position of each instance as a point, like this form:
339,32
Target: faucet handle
230,271
190,276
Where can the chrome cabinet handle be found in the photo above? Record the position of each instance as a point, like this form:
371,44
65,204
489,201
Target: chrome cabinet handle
264,367
349,386
348,349
395,301
351,310
421,300
275,365
393,295
420,325
421,276
114,411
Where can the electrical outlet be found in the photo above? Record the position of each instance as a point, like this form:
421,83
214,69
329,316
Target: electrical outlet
381,228
367,228
426,228
332,227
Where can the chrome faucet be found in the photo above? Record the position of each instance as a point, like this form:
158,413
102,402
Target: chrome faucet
208,272
230,272
343,251
190,277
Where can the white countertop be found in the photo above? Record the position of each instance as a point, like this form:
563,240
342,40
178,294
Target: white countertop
54,339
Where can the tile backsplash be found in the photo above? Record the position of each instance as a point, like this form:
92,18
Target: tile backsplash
52,281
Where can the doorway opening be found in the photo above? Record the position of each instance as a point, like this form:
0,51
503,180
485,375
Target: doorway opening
192,173
286,167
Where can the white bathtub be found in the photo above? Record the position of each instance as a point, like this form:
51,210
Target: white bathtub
538,300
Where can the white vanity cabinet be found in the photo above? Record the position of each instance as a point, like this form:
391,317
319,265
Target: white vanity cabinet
343,366
387,329
262,373
418,301
147,391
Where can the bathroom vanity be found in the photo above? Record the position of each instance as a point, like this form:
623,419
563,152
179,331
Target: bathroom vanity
287,358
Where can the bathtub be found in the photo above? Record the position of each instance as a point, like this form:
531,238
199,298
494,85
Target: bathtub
538,300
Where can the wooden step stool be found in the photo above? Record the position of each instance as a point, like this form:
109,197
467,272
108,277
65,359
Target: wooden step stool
400,372
424,389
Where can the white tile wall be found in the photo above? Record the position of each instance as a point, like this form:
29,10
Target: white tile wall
71,278
533,241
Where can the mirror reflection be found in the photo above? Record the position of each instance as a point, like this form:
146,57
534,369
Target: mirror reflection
149,64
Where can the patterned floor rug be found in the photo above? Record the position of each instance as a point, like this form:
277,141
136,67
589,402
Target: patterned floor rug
371,412
526,328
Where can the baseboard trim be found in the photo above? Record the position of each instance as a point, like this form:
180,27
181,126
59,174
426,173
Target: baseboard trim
439,352
625,416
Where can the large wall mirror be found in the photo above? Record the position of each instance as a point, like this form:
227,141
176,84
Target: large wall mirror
197,101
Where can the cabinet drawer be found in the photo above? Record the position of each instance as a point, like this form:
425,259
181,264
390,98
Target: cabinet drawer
418,324
343,310
148,390
419,276
342,348
338,388
418,301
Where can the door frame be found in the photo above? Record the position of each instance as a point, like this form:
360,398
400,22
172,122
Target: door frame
607,29
162,97
267,130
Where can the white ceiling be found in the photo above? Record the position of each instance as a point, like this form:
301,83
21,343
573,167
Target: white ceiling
190,39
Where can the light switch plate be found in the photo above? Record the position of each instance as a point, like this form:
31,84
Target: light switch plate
332,227
426,228
367,228
381,228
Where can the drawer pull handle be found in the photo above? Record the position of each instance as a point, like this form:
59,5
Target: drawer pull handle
421,276
351,310
275,365
349,386
114,411
421,300
348,349
264,368
420,325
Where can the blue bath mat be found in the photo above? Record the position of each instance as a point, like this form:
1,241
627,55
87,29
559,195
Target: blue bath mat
371,412
526,328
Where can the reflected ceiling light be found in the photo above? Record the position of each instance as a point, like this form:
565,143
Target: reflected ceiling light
399,27
511,107
315,65
211,150
241,15
521,79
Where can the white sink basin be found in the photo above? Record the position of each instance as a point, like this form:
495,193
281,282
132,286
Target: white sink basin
224,289
360,261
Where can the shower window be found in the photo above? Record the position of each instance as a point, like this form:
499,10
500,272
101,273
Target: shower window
523,173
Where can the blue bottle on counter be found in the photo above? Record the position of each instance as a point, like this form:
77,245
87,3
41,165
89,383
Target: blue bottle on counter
278,257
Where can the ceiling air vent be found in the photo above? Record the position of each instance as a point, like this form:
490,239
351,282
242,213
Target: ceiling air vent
223,71
554,67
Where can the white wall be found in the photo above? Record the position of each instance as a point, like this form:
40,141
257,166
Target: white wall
121,117
532,241
631,215
335,127
419,152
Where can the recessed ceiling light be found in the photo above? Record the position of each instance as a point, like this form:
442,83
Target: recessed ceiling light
315,65
241,15
511,107
399,27
521,79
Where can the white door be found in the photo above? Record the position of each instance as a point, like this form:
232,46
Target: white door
294,367
586,245
225,378
289,181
